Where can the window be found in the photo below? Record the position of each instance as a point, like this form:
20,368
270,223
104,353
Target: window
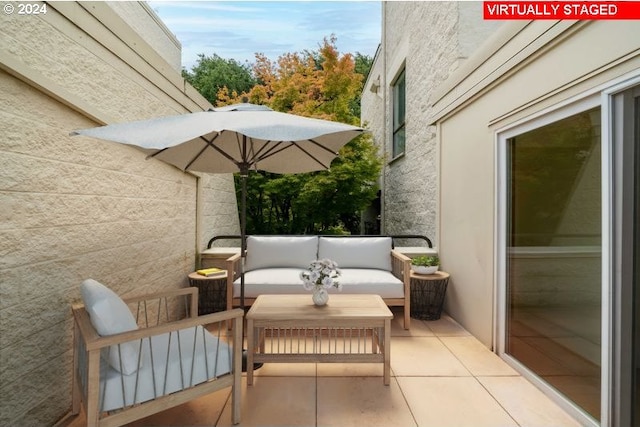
399,109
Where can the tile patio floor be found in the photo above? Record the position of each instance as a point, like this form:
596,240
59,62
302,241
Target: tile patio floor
440,376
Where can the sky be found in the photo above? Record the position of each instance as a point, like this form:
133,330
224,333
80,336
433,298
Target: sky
239,29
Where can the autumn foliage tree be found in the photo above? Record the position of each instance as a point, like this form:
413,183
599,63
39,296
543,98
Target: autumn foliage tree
322,84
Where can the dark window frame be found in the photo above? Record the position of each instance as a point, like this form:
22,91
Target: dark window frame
399,90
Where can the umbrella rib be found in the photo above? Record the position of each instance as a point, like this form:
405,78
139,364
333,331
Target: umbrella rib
323,147
209,143
275,150
314,158
218,149
264,152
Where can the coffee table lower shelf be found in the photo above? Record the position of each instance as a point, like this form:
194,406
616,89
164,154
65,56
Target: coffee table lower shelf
290,329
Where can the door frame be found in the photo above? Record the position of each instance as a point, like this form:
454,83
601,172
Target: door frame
618,110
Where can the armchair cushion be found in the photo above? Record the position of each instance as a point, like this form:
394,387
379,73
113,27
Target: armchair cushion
171,362
280,251
109,316
357,252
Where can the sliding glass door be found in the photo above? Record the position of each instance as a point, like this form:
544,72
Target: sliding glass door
569,254
553,254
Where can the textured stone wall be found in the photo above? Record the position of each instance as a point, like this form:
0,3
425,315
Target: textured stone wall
429,39
219,208
74,208
151,29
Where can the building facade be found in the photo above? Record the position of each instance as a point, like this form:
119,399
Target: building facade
536,140
77,208
421,46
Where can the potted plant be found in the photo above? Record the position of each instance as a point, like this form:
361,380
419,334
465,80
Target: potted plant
425,264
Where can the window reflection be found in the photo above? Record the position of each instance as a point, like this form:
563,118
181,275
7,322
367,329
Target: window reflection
553,256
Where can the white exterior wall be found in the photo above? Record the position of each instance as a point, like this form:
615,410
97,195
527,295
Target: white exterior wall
373,97
74,208
509,80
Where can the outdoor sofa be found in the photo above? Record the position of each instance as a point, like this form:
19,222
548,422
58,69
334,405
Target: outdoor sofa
368,265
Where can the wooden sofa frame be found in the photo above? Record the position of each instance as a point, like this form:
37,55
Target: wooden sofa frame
88,345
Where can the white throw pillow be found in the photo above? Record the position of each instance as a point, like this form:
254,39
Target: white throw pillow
280,251
357,252
110,315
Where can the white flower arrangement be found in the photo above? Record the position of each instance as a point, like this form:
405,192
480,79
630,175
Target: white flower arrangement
321,273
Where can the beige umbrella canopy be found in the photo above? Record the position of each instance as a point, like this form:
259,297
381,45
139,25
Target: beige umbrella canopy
236,138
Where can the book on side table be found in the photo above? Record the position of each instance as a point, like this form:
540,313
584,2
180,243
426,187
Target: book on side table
211,272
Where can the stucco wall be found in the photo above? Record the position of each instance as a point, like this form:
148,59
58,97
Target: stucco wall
515,88
148,25
73,208
430,39
218,208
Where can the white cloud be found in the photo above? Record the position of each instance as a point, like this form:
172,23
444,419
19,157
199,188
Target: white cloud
237,30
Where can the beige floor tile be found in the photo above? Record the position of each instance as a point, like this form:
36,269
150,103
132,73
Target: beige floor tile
424,356
276,401
361,402
418,327
446,327
526,404
477,358
432,384
452,402
350,370
286,370
204,411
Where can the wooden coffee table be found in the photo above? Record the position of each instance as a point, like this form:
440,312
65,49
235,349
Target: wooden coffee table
291,329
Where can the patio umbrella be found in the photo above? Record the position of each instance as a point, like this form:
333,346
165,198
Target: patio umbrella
235,138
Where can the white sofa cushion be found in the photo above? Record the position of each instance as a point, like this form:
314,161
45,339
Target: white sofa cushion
270,281
110,315
371,281
287,281
185,366
357,252
280,251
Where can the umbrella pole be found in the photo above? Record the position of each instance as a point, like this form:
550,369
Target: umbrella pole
244,175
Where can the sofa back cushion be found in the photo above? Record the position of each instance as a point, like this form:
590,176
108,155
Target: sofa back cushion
357,252
280,251
110,315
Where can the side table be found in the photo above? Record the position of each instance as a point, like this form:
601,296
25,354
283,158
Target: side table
212,292
427,294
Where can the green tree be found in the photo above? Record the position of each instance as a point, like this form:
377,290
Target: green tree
211,74
337,196
322,84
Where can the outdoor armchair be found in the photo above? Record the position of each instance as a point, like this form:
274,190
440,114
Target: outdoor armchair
164,356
